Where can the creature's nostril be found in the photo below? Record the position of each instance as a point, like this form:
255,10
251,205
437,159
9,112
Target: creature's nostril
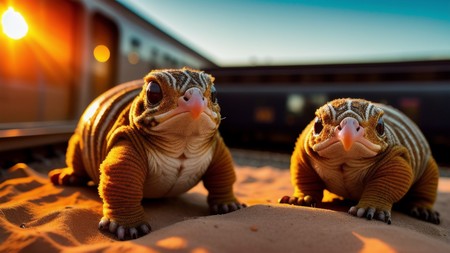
357,129
186,98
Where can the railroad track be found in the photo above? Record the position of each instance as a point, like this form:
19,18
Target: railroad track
27,135
31,142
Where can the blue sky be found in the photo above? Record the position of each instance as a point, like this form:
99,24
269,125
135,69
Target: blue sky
271,32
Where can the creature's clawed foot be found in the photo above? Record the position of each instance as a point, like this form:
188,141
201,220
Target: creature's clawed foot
298,201
122,232
370,213
425,214
66,176
226,207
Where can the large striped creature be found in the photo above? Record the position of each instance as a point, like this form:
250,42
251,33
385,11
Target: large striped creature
151,140
367,152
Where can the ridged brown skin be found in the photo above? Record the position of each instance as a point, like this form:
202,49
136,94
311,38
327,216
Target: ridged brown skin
151,139
387,160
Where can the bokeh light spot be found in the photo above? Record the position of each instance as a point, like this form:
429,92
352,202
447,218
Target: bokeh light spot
101,53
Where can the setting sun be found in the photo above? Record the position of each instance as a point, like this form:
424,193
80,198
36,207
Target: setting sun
14,24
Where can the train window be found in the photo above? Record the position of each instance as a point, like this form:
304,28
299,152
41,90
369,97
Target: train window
264,114
154,53
295,103
104,34
40,65
169,61
101,53
319,99
135,43
174,62
411,107
133,55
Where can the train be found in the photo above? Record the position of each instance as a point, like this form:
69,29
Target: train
77,49
267,107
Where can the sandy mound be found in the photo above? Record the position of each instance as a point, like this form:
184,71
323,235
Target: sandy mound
36,216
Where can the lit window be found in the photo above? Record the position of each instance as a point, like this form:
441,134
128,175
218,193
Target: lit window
133,58
295,103
101,53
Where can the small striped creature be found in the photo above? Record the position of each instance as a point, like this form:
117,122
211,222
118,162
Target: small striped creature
367,152
151,140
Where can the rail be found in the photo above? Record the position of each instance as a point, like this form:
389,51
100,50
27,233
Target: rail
15,136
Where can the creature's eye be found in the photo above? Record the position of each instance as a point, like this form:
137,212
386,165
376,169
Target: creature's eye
154,93
213,94
380,126
318,126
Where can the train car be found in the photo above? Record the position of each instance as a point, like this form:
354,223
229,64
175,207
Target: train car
267,107
56,56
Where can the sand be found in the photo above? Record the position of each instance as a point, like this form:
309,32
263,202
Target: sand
36,216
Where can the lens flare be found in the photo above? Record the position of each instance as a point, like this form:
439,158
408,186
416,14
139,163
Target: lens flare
14,24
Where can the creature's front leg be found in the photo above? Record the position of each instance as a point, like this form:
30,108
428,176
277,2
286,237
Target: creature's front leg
219,180
308,191
308,186
388,184
121,188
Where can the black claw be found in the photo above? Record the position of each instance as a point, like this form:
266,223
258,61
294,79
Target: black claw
215,209
424,215
293,200
145,229
283,200
309,201
370,213
434,218
121,233
103,224
232,207
414,212
224,209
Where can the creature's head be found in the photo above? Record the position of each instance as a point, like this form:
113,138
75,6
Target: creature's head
180,101
352,128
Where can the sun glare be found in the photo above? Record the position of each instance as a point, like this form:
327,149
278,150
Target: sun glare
14,24
101,53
